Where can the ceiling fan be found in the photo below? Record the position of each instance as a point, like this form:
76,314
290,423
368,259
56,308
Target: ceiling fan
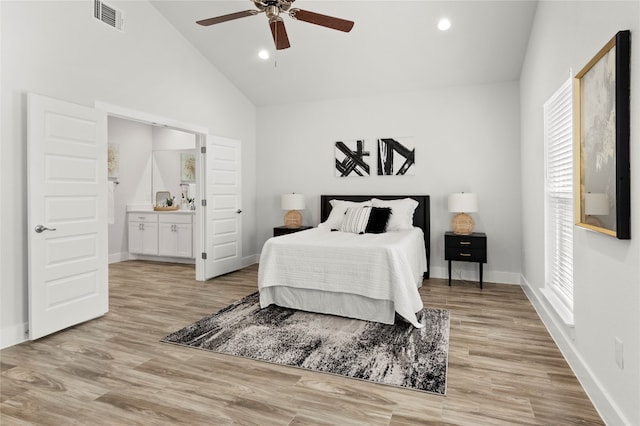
273,9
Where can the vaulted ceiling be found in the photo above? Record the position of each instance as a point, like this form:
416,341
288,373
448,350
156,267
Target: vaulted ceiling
394,46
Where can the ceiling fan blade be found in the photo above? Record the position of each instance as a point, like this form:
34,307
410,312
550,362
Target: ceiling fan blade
322,20
279,34
225,18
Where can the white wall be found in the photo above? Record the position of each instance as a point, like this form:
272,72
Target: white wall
57,49
171,139
134,140
467,139
566,35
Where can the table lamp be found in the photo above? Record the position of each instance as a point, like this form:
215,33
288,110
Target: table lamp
462,203
292,203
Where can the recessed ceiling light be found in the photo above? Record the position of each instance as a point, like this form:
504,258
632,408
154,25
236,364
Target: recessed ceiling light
444,24
263,54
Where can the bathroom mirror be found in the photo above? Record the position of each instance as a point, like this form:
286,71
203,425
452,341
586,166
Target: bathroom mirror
170,148
602,116
161,197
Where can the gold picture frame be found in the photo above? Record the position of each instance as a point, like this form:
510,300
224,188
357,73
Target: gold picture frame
601,131
187,167
113,161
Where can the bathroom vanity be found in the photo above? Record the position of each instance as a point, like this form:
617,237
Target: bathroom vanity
165,234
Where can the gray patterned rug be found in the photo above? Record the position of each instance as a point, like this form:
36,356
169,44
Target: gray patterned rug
396,355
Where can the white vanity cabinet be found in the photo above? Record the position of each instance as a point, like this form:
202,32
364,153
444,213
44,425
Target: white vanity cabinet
143,233
175,235
166,235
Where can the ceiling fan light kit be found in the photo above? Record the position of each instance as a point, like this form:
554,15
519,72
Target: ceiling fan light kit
272,9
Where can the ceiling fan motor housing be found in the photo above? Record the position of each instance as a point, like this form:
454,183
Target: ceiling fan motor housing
281,5
273,9
273,13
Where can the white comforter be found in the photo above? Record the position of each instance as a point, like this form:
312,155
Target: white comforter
386,266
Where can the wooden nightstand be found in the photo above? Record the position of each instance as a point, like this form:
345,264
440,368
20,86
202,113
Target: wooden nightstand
465,248
283,230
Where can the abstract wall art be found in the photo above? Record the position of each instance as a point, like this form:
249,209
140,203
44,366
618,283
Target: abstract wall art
396,156
351,158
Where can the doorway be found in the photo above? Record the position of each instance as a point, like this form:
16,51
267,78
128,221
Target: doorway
147,154
69,211
151,165
215,177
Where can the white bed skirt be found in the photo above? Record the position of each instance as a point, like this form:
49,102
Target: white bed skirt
342,304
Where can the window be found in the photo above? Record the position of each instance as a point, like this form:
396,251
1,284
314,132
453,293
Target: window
558,137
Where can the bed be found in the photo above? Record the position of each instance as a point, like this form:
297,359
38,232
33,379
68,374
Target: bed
370,276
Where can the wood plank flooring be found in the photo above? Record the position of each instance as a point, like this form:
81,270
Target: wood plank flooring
504,368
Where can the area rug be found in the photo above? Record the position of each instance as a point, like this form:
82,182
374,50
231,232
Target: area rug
397,355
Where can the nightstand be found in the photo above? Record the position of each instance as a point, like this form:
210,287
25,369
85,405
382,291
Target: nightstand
283,230
465,248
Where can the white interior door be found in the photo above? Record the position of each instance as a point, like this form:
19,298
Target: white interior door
68,247
223,218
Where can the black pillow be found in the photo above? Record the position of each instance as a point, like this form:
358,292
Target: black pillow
378,220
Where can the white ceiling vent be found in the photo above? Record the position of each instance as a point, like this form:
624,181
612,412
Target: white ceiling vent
107,14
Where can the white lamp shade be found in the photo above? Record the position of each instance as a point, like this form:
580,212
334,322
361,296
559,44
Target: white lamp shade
596,204
292,202
463,202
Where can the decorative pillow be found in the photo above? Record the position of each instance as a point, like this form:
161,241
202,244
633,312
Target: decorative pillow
401,212
378,220
356,219
338,209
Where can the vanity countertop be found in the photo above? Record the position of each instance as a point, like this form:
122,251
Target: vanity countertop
150,210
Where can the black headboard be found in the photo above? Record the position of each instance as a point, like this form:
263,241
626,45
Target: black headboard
421,216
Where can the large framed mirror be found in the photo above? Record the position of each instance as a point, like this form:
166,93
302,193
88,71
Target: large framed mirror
601,90
171,150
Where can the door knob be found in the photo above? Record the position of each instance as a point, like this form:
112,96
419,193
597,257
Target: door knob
239,211
40,229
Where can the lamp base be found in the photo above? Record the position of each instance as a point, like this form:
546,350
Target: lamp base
462,224
293,219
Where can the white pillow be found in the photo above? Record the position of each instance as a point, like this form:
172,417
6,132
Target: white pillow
356,219
338,209
401,212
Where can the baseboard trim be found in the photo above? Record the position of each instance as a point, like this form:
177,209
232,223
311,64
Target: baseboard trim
250,260
118,257
563,337
498,277
190,261
13,335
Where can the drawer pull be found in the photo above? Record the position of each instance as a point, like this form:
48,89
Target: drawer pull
465,254
465,243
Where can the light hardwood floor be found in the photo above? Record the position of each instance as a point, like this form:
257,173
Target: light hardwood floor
503,366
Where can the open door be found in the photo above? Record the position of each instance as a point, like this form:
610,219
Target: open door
222,228
67,234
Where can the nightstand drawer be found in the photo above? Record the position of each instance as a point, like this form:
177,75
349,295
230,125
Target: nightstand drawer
465,254
465,242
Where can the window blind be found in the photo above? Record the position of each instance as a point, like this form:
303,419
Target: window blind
558,135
